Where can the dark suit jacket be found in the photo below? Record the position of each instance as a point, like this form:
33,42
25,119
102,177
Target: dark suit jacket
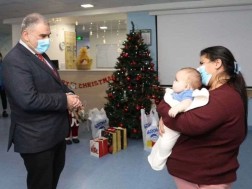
39,118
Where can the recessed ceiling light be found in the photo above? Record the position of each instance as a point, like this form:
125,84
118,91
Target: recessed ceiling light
87,5
103,27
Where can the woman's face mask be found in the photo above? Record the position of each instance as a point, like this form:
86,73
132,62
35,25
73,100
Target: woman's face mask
205,77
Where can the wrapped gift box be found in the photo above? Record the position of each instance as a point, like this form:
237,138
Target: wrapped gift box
123,137
118,137
99,147
110,134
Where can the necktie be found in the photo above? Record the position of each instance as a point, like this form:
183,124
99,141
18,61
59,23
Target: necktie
43,60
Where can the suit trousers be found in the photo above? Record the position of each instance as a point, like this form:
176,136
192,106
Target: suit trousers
3,98
44,168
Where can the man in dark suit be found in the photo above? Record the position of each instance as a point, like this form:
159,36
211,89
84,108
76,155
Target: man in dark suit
39,103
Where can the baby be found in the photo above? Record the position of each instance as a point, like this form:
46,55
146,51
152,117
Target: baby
183,96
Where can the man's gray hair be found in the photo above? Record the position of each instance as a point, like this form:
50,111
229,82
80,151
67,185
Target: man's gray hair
32,19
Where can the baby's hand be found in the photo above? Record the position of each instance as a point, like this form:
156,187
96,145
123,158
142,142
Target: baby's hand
173,112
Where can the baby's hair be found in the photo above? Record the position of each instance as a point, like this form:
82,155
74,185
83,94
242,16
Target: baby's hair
193,77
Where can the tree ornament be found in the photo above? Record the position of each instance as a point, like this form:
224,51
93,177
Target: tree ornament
126,109
134,130
133,63
138,107
130,87
125,95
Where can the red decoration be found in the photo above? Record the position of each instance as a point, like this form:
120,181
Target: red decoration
130,87
138,107
89,84
134,130
126,108
133,63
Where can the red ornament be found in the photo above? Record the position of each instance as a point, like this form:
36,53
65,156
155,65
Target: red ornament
121,125
138,107
125,54
134,130
138,77
126,108
133,63
130,87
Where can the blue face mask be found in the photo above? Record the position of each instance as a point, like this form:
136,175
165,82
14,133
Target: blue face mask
43,45
205,77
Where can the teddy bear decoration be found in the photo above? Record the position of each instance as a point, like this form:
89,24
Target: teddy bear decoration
83,61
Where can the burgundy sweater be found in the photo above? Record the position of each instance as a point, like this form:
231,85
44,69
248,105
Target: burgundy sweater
207,150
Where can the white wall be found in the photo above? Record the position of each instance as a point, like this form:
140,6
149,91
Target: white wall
182,34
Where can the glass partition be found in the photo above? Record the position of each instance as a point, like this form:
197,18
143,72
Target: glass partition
100,36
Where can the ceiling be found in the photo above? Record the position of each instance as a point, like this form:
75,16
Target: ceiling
19,8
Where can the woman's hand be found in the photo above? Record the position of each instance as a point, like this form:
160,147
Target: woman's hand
161,127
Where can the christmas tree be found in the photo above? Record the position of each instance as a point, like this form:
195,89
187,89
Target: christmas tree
134,86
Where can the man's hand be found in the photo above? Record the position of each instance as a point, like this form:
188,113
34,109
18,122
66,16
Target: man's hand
73,101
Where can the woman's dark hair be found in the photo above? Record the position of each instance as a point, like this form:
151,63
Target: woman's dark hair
236,79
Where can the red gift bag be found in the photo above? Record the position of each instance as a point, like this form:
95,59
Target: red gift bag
99,147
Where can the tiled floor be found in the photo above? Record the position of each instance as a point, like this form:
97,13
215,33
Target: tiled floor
128,169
